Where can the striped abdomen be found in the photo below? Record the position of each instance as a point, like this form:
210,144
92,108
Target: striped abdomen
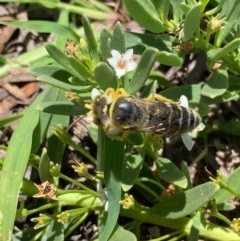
134,114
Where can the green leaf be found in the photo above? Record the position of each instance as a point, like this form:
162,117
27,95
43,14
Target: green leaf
112,153
105,41
217,84
231,127
92,131
10,119
184,169
62,59
215,54
183,204
162,8
90,38
170,59
14,166
169,172
143,69
118,41
204,3
139,42
193,93
67,87
44,168
145,14
54,231
230,11
149,89
40,131
105,76
176,8
62,108
233,181
196,225
185,8
28,188
121,234
203,109
53,142
80,68
30,233
131,169
51,70
46,27
226,206
192,21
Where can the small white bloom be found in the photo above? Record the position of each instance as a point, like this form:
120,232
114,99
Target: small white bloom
122,63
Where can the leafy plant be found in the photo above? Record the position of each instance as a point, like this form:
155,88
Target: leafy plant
176,31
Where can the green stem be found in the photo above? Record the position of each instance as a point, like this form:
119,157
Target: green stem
207,230
77,183
167,236
223,218
148,190
41,208
75,225
214,10
146,179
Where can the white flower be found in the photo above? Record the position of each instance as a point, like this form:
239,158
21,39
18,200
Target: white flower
122,63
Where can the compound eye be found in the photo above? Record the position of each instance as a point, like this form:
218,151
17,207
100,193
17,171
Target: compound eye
124,111
124,106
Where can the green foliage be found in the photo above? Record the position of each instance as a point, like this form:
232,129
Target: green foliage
83,65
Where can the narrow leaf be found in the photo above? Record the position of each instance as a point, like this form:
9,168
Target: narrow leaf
80,68
62,108
62,59
192,21
162,8
90,38
67,87
216,54
46,27
14,166
145,14
44,168
113,154
118,41
105,40
143,69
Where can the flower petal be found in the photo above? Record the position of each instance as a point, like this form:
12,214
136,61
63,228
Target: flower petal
116,55
131,65
120,72
128,55
113,62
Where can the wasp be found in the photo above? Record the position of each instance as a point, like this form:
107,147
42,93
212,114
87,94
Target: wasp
117,111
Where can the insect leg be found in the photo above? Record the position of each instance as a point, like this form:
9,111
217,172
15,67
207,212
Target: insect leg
161,98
